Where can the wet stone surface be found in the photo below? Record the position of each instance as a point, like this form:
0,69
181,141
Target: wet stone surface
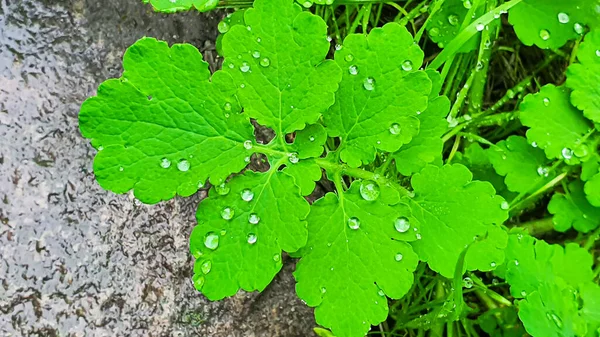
76,260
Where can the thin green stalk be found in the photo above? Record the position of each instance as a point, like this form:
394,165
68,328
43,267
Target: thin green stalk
538,227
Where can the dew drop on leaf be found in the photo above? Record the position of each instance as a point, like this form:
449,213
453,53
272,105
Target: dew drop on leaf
197,253
504,205
480,27
380,292
338,47
581,151
354,223
293,158
434,32
247,195
248,144
265,62
598,52
311,138
251,238
395,129
567,153
563,18
543,171
253,219
349,58
223,27
198,281
353,70
544,34
546,101
398,257
183,165
402,225
493,264
256,54
369,190
165,163
245,67
453,19
524,293
467,283
323,290
467,4
407,65
211,241
276,257
369,84
578,28
121,168
227,213
418,236
205,267
222,189
227,106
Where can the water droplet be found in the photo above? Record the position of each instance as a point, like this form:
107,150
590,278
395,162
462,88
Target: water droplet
369,190
543,171
480,27
349,58
222,27
380,292
100,148
323,290
256,54
567,153
433,32
581,151
121,169
418,236
467,4
524,293
227,213
198,281
402,225
353,70
578,28
227,106
258,39
246,160
247,144
293,158
516,262
544,34
353,223
247,195
223,232
398,257
231,65
211,241
493,264
222,189
546,101
453,19
165,163
504,205
311,138
369,84
200,184
563,17
205,267
552,317
251,239
407,65
265,62
467,283
183,165
276,257
245,67
253,219
598,52
197,253
338,47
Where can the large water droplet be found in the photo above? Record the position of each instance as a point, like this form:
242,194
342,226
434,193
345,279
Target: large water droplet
544,34
222,27
165,163
453,19
369,83
563,17
467,4
353,70
248,144
183,165
467,283
198,280
205,267
251,239
543,171
581,151
247,195
211,241
395,129
254,219
354,223
480,27
265,62
222,189
245,67
598,52
504,205
578,28
256,54
433,32
567,153
369,190
398,257
227,213
401,224
407,65
293,158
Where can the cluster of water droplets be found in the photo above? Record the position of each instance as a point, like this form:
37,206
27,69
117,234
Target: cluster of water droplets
183,165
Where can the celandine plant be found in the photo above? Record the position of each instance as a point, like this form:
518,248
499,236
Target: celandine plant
406,219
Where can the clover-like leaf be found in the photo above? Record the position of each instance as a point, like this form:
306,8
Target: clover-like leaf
426,147
523,165
165,126
583,77
592,190
444,25
453,212
572,210
305,174
172,6
551,23
354,257
380,94
554,124
242,229
551,312
278,64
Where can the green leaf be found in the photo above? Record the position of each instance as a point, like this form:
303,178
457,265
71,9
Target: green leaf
488,253
583,77
442,194
592,190
444,25
240,235
501,322
523,165
172,6
305,174
381,92
165,126
354,257
572,210
550,24
426,147
590,294
554,124
232,19
590,167
551,312
278,64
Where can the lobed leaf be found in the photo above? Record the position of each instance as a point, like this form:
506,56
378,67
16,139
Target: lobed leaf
242,229
572,210
583,77
165,126
356,254
381,93
172,6
454,211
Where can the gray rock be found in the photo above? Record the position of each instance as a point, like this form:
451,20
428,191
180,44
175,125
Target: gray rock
76,260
